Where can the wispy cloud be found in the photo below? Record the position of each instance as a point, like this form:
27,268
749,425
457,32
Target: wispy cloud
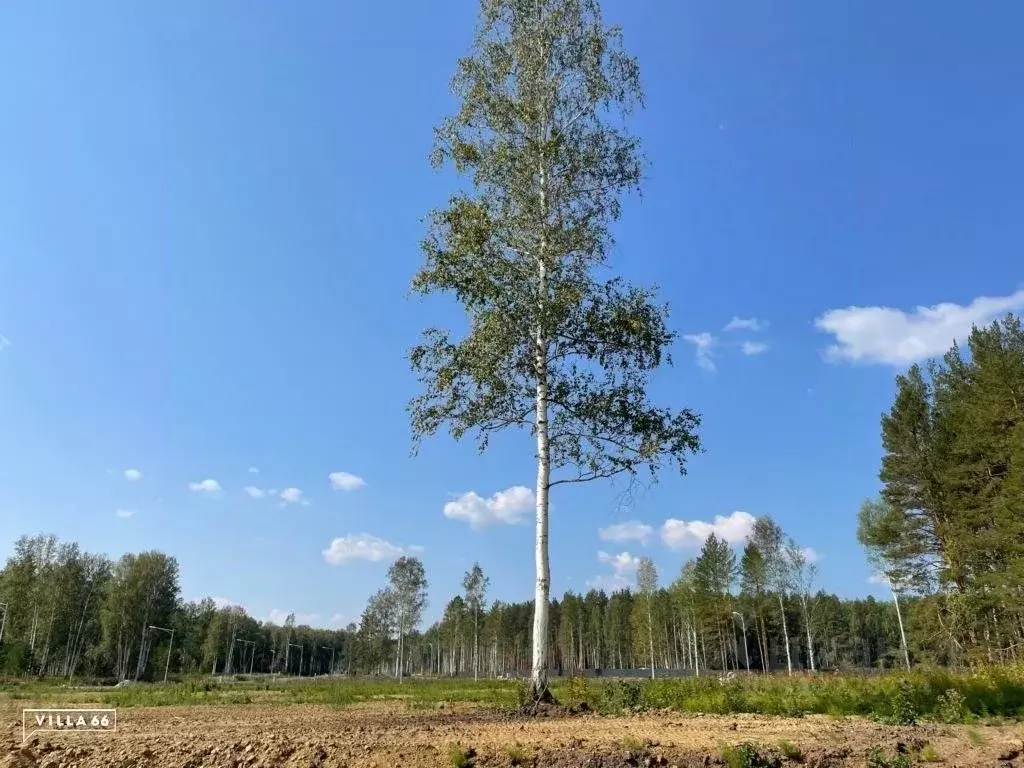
279,617
345,481
125,512
291,496
208,487
623,571
734,528
631,530
254,492
753,347
253,471
896,337
133,474
745,324
703,344
508,506
364,546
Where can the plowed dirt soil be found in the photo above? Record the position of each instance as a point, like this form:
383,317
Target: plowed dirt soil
390,735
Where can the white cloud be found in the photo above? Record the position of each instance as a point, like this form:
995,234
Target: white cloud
745,324
631,530
623,571
133,474
878,578
253,471
702,342
345,481
363,546
4,343
254,492
753,347
734,528
337,620
508,506
279,617
291,495
208,486
125,512
225,602
811,555
895,337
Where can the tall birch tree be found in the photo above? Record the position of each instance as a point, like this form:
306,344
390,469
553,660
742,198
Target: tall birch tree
552,345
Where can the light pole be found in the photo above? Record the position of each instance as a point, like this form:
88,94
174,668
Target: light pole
3,621
746,652
170,646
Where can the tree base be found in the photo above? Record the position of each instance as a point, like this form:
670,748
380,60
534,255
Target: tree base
540,703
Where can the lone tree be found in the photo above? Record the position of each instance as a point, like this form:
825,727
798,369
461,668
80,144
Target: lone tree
474,586
407,584
551,344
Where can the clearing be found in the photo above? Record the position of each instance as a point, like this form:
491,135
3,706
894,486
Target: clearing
393,733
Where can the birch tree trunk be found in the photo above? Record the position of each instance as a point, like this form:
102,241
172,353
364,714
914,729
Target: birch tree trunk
807,625
785,635
899,619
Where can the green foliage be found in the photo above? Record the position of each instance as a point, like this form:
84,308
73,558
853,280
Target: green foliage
877,758
576,691
517,754
929,754
950,707
791,751
15,658
460,756
904,708
746,755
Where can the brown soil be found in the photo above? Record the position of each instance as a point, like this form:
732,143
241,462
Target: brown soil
389,735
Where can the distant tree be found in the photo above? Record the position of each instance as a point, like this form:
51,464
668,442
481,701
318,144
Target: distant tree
408,584
474,588
647,584
552,346
754,584
803,573
768,537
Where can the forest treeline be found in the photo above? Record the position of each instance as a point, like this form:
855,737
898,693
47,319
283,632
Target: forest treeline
946,534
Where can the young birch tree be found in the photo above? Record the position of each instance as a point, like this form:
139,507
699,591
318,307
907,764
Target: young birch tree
552,345
407,582
647,585
474,586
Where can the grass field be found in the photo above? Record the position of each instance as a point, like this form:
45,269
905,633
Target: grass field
935,695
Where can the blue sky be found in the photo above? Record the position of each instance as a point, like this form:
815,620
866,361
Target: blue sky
209,217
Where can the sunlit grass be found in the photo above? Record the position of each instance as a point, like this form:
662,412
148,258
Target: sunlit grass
937,695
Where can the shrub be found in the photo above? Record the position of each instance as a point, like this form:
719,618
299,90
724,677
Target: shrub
791,751
516,754
746,755
459,756
950,707
929,754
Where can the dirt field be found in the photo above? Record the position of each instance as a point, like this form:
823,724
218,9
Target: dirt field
391,735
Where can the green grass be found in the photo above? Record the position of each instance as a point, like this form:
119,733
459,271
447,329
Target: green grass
517,754
929,754
745,755
791,751
926,695
459,756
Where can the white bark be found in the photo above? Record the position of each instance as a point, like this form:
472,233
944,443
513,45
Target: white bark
785,634
807,625
541,595
899,619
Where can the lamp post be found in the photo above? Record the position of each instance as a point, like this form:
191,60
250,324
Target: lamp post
746,652
3,621
170,647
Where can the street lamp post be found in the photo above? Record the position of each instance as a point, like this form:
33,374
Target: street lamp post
170,647
746,651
